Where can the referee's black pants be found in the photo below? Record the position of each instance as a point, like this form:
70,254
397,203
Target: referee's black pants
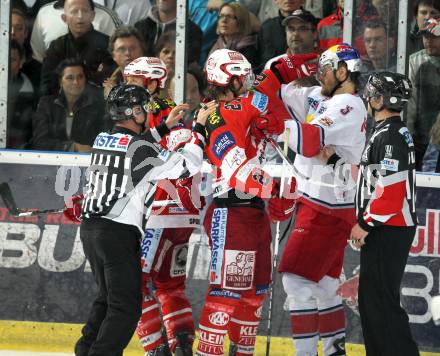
113,250
385,324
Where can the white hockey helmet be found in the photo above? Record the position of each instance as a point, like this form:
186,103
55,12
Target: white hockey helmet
147,68
223,65
340,53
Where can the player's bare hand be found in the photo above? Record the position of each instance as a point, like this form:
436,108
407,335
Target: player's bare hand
357,237
176,115
205,110
326,153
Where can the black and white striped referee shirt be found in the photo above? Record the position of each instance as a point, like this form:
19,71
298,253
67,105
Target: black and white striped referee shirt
125,166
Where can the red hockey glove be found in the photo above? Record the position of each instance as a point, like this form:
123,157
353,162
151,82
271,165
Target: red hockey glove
72,208
190,197
281,208
270,123
293,67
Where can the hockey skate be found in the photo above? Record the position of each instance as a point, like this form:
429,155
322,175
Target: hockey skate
339,345
183,347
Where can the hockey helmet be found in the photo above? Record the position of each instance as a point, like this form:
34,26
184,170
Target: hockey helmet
123,98
340,53
223,65
147,68
431,27
395,89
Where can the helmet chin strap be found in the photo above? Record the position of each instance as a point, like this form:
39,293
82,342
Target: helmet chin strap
232,88
338,83
373,110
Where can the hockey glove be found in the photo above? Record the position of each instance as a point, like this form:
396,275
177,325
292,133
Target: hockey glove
282,208
72,208
270,123
293,67
189,195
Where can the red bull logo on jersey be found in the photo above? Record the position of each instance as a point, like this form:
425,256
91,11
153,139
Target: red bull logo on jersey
218,238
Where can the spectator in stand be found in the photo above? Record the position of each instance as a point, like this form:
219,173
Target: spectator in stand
48,26
19,5
195,85
162,18
380,48
20,33
20,101
424,73
71,119
301,34
431,160
125,45
235,31
129,11
271,39
331,28
82,42
387,11
165,49
204,13
422,10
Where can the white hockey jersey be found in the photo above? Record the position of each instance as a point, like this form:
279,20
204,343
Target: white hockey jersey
338,121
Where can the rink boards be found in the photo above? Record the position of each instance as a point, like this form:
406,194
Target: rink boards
46,286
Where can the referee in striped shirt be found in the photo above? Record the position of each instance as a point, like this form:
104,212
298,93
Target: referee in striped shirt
125,164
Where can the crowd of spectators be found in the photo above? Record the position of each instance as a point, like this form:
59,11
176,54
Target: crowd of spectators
67,54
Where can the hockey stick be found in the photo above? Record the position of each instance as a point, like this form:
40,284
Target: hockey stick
9,201
277,240
288,164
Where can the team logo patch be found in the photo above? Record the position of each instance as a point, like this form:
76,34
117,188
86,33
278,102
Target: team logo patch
326,121
218,240
260,101
239,269
347,110
222,143
178,261
219,318
388,151
389,164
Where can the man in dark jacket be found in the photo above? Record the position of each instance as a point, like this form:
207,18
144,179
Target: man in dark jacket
70,120
162,18
422,10
82,42
271,40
